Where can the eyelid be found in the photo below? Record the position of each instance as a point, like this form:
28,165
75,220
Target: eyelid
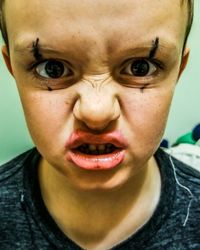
35,63
40,69
157,63
128,69
62,82
72,73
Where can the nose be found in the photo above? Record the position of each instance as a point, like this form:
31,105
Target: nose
97,110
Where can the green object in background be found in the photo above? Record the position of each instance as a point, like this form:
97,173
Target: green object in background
186,138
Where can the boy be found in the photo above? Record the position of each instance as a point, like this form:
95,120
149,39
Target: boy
96,79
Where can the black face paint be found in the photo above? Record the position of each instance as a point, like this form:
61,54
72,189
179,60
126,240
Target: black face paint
154,48
144,87
38,56
155,44
49,88
35,50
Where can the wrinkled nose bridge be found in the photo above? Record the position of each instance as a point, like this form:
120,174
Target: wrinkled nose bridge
97,81
97,108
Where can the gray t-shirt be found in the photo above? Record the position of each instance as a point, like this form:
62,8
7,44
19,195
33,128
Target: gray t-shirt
26,224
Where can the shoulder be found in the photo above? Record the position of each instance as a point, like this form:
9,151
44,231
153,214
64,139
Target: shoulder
164,156
11,174
181,192
188,179
184,173
10,168
187,186
11,186
12,213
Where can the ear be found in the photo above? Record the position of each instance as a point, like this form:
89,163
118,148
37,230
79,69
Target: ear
6,57
184,61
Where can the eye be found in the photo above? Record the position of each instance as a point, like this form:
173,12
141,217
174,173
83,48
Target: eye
139,68
53,69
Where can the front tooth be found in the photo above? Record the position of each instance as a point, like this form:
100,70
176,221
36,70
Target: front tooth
101,147
92,147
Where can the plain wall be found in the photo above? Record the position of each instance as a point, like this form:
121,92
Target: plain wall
185,111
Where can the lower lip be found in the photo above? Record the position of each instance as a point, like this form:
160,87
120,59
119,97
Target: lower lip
96,162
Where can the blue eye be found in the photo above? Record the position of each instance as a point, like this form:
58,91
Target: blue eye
140,68
53,69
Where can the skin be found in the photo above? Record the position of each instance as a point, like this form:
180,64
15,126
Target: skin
96,38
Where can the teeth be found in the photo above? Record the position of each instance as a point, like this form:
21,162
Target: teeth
92,147
108,150
101,147
96,149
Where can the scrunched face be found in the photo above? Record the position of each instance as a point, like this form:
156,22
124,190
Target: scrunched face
96,79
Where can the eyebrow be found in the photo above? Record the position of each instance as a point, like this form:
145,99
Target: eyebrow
35,50
155,45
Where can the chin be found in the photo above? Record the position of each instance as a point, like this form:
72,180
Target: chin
102,180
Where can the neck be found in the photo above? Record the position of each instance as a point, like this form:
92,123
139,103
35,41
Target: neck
95,216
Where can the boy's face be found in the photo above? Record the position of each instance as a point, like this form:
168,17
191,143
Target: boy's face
114,66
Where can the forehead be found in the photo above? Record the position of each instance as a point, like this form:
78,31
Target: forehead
95,20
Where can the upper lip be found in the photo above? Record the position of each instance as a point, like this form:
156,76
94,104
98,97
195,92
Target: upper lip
79,138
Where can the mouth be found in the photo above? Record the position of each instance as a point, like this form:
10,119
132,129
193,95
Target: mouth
107,153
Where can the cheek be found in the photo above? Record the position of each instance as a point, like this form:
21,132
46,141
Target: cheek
146,115
46,117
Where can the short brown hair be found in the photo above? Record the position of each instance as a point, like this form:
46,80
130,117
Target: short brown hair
190,4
